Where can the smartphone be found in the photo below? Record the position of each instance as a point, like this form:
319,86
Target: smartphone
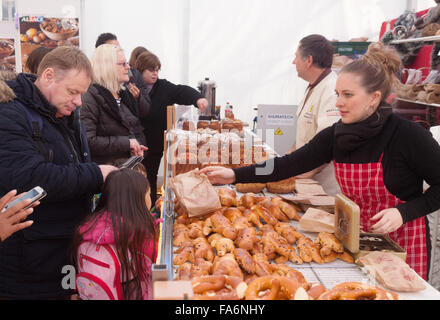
34,194
132,162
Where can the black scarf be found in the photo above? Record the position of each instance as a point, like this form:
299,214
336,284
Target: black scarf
126,98
350,137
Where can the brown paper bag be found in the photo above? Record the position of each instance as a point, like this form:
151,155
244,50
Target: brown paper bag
315,220
195,193
391,272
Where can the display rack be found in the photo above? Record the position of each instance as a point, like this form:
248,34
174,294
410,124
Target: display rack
422,39
328,274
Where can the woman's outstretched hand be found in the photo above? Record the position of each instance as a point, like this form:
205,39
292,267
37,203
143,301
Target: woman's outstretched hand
219,175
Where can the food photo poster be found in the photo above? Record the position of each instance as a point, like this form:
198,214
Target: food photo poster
50,32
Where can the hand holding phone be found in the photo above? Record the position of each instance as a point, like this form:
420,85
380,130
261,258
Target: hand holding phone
34,195
12,218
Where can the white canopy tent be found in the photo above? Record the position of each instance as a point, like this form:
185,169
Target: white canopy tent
246,46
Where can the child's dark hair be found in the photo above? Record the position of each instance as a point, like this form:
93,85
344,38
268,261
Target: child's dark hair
123,199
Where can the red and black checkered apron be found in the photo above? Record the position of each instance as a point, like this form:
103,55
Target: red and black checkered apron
363,184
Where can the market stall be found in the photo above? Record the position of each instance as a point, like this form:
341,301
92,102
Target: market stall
319,272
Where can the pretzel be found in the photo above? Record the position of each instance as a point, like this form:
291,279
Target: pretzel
315,290
256,289
218,287
357,291
273,288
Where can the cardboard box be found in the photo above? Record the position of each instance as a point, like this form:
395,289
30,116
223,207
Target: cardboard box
347,230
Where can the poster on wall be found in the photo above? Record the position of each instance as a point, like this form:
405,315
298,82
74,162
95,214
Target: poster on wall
7,55
49,32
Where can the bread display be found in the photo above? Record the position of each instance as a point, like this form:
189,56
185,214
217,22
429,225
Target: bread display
241,251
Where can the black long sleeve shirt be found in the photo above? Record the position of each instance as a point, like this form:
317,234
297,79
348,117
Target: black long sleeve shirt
411,156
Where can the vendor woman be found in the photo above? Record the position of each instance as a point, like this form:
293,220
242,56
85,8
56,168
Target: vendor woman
380,159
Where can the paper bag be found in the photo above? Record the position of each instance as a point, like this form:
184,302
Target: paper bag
391,272
315,220
195,193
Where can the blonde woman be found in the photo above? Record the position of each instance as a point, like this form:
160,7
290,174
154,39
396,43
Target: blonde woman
110,113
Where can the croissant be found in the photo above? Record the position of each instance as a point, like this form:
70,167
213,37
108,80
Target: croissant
328,243
287,209
246,238
222,225
227,265
264,214
244,260
228,197
262,265
288,232
184,254
223,246
274,210
308,250
203,249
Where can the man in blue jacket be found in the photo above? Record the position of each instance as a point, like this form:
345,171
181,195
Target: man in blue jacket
42,142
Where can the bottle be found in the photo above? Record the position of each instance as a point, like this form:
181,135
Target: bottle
228,111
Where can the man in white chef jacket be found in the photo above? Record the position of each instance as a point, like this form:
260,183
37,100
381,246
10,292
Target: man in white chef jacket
317,110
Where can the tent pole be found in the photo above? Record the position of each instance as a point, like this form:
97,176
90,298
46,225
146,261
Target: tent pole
411,5
185,39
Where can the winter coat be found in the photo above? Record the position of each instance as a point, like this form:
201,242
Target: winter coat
102,233
164,94
109,127
31,260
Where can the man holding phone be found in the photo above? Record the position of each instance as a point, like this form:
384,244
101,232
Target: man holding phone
43,143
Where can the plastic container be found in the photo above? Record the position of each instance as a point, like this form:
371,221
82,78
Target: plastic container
228,111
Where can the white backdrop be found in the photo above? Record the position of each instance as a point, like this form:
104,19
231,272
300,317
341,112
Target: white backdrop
246,46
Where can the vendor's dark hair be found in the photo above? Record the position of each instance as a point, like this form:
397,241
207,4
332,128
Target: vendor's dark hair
319,48
377,69
104,37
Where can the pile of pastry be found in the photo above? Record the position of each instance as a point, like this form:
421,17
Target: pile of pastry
426,93
199,150
216,125
249,238
278,187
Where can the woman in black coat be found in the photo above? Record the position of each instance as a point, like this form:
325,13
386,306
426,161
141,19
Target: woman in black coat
110,113
163,94
380,159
